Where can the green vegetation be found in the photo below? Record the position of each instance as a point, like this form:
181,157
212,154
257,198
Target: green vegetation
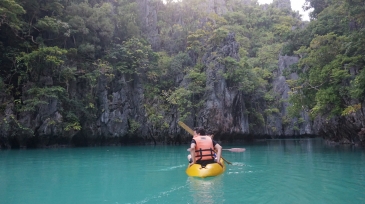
332,62
47,47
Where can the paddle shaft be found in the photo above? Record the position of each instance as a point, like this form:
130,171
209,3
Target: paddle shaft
236,149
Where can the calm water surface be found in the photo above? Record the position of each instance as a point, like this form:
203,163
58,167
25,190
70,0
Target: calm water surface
276,171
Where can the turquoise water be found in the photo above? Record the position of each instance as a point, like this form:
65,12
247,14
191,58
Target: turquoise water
276,171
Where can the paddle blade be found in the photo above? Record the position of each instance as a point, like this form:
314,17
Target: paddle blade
236,149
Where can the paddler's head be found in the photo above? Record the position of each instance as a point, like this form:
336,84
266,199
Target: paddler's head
199,131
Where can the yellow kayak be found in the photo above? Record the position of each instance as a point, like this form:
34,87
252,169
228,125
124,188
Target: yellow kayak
213,169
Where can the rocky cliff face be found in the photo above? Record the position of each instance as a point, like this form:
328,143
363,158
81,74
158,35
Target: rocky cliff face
347,130
148,16
280,124
282,4
224,107
214,6
122,108
120,115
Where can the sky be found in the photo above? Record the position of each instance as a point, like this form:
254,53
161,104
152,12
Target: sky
296,5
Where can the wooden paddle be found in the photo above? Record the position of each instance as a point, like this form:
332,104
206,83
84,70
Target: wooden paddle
189,130
235,149
231,150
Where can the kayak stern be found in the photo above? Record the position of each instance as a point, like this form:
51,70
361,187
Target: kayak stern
213,169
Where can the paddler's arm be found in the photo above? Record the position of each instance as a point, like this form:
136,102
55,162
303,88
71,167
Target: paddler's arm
192,153
219,152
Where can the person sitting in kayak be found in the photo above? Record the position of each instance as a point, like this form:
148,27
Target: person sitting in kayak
202,149
209,133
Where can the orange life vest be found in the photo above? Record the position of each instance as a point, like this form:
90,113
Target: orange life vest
204,149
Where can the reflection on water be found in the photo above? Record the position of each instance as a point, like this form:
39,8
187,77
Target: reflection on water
239,168
207,190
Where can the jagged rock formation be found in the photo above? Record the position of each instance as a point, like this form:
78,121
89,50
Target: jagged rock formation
120,115
282,4
214,6
122,109
148,16
225,107
278,124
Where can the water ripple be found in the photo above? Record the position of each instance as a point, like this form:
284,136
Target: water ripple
172,168
162,194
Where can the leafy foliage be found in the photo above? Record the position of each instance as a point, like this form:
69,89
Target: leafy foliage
10,12
67,50
40,96
331,65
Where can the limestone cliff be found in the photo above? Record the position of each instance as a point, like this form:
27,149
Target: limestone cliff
121,117
225,106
